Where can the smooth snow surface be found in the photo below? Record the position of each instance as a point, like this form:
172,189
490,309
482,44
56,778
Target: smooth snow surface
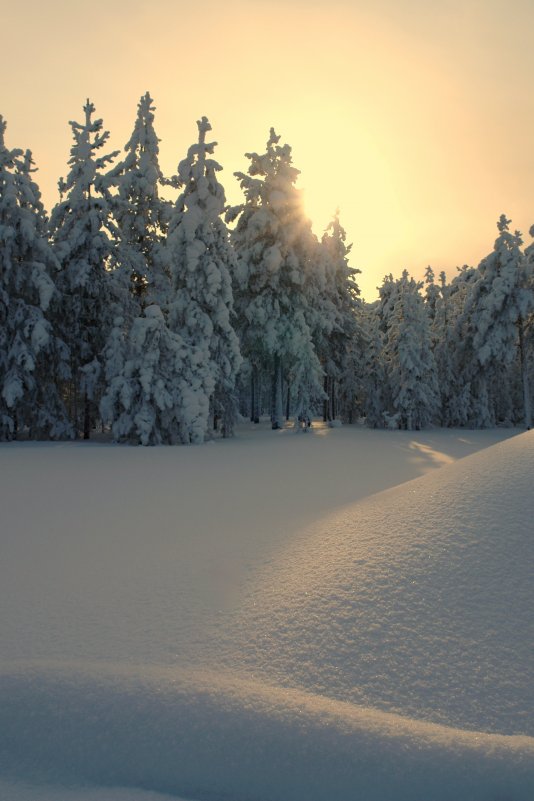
418,600
246,620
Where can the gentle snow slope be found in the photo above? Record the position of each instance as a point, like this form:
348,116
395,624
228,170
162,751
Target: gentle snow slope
419,600
331,669
134,554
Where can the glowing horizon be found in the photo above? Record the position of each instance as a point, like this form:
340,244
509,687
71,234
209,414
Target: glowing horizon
412,119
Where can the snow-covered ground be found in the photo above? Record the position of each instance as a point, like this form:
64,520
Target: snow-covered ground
345,614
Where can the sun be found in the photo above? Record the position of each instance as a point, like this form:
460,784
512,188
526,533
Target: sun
366,192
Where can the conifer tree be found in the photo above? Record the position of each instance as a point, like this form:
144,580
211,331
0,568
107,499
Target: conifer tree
526,335
375,381
32,358
342,344
276,250
409,358
157,389
499,301
454,352
377,320
82,235
140,213
442,328
201,262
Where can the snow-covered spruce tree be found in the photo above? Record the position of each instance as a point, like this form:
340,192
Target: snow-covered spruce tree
144,361
378,400
375,384
499,301
342,343
432,293
438,306
445,349
141,215
526,337
276,250
158,389
444,303
409,358
201,262
81,232
32,358
388,293
454,351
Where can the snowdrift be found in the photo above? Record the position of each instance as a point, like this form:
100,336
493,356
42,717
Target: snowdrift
418,600
385,654
207,736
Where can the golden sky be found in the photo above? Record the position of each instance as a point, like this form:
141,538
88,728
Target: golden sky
415,117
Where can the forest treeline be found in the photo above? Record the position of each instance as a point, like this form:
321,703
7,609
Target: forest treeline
165,320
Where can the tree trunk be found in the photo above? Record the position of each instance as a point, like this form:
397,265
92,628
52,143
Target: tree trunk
288,397
278,403
333,398
86,417
252,396
73,405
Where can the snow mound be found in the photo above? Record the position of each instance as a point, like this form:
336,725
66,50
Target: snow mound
209,736
418,600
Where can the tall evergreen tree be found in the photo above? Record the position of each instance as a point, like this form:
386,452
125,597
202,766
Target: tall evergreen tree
409,357
445,349
32,358
276,250
140,213
147,366
377,320
454,352
375,380
82,235
498,303
202,261
526,336
342,343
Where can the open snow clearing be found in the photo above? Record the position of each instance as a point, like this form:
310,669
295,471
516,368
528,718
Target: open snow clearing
248,620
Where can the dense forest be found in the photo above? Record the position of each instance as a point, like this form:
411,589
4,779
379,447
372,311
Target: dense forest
166,320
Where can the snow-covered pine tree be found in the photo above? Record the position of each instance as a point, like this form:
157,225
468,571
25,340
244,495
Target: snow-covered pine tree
526,336
409,358
276,250
342,343
442,304
454,351
499,301
144,361
432,293
376,401
140,213
81,231
202,261
32,358
158,391
442,328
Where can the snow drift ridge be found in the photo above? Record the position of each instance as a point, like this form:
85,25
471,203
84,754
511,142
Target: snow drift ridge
418,600
213,736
